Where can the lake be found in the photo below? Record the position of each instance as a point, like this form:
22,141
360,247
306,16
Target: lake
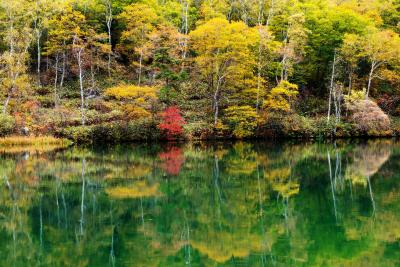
202,204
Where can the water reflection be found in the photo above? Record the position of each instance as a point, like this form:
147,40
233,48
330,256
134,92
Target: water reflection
202,204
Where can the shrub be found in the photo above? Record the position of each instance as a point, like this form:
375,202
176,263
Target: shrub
113,132
281,97
198,130
368,118
131,92
7,124
295,125
78,134
172,123
242,120
323,128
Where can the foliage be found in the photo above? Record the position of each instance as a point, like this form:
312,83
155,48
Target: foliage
355,96
224,58
368,117
117,64
33,141
242,120
7,124
132,92
198,130
172,123
280,98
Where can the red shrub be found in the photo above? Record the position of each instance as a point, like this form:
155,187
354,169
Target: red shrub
172,123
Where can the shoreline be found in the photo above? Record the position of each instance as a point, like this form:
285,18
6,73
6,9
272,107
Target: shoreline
42,141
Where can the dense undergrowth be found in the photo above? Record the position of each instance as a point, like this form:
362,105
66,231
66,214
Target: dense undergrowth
143,70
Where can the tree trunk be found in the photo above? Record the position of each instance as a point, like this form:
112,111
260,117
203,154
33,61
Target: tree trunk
331,86
259,67
270,13
350,80
92,72
38,35
370,77
332,187
5,105
63,70
216,100
82,197
215,110
140,66
79,57
109,24
55,82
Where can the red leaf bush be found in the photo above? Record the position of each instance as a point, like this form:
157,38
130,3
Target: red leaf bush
172,123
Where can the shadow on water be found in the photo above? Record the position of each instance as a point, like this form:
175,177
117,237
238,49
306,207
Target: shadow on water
201,204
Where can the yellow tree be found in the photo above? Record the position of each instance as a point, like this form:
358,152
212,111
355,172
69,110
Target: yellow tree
293,45
17,35
350,52
381,48
225,59
139,21
281,97
211,9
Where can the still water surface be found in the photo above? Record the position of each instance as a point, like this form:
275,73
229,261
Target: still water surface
220,204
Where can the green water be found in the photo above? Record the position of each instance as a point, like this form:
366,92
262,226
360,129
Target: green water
220,204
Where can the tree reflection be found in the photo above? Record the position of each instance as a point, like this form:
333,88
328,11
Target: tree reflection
255,203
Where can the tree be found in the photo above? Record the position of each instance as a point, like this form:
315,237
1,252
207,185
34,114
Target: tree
225,59
172,123
242,120
350,52
281,97
381,48
18,36
293,45
65,36
109,19
139,21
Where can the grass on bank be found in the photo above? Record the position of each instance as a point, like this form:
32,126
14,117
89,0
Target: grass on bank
15,144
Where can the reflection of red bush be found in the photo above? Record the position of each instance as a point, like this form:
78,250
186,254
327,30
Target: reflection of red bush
172,160
172,122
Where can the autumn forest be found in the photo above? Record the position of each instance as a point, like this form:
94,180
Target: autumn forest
127,70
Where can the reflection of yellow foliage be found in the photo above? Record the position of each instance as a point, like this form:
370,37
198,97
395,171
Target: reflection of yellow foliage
220,254
352,233
388,228
220,153
222,246
241,167
244,163
131,172
281,182
275,174
356,178
29,149
287,189
136,190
